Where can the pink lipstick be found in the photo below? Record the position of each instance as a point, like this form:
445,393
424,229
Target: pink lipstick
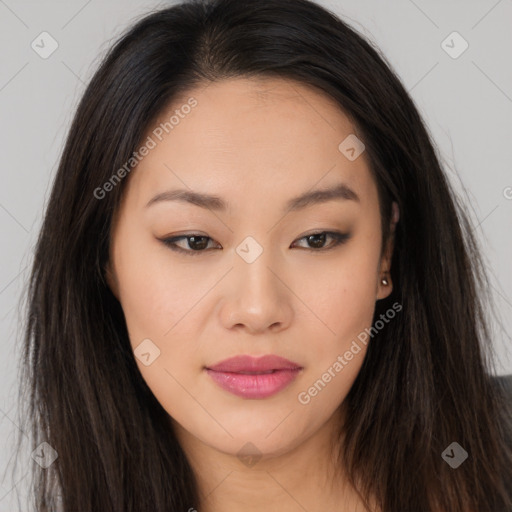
254,377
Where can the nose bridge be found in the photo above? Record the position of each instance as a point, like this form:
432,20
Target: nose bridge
259,299
252,270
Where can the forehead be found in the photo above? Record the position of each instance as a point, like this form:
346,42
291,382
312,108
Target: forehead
266,138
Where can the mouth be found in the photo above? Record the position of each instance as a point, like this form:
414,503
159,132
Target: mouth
256,373
254,378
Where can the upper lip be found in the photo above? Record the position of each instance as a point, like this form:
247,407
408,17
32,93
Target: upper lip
248,363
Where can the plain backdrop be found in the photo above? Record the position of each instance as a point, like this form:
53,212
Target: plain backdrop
466,101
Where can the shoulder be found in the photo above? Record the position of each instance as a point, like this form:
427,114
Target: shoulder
503,383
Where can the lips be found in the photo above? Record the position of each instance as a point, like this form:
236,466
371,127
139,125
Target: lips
254,378
249,364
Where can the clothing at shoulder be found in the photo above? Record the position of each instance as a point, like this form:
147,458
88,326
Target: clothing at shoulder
503,382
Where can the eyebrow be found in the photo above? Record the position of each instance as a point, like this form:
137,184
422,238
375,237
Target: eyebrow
212,202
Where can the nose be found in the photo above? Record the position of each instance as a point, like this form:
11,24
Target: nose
256,297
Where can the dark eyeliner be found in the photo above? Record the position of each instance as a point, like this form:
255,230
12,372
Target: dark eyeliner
170,243
338,239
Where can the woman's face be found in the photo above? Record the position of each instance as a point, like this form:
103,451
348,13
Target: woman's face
252,281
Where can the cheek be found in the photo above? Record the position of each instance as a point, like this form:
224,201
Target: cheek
342,295
159,300
347,298
155,292
343,301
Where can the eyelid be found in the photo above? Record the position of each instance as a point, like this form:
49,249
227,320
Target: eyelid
338,237
170,242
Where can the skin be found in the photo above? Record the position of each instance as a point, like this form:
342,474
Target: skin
255,143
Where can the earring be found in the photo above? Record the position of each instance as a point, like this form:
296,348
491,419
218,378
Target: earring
384,281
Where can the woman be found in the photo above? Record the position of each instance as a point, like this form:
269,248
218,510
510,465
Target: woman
253,288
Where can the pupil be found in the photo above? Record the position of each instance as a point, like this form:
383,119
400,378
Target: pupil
317,240
195,245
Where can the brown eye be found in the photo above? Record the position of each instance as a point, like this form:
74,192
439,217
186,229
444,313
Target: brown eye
316,241
197,243
194,244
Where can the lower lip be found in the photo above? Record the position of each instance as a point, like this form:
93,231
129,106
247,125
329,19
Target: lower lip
260,385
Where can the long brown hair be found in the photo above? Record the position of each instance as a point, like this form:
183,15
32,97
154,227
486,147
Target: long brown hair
425,381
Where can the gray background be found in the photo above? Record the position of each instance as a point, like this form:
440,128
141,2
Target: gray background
465,101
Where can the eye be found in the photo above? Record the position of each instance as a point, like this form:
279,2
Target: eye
316,241
196,243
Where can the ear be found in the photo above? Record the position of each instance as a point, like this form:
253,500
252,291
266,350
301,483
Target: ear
384,288
111,280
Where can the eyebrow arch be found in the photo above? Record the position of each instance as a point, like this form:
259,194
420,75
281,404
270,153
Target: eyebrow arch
212,202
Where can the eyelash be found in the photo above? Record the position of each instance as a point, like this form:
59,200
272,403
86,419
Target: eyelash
339,238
